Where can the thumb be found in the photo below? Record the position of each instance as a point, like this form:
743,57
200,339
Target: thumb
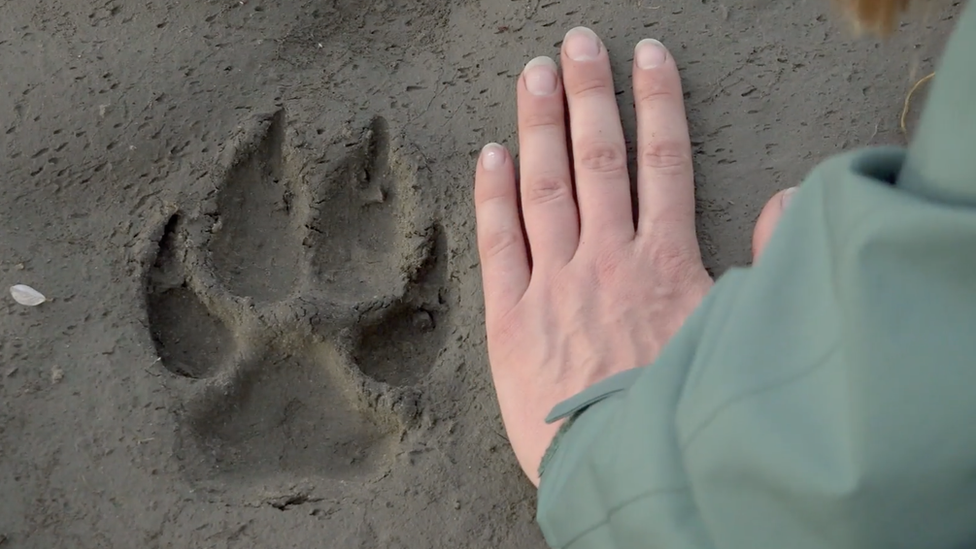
768,219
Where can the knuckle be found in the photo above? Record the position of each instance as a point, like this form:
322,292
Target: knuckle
674,263
666,155
606,265
654,91
487,192
546,189
587,87
602,157
541,118
560,286
505,327
498,242
606,271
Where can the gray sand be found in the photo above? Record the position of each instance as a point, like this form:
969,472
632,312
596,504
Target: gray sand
254,223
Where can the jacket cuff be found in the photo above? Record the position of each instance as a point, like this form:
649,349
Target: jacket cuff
572,407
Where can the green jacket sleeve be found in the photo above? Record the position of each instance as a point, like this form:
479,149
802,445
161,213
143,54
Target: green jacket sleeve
821,398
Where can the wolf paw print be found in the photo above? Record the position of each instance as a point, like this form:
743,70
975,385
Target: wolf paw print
301,306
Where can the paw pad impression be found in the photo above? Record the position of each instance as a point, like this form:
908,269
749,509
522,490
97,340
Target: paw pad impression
301,305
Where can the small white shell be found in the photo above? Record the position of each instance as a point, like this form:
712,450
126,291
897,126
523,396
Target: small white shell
25,295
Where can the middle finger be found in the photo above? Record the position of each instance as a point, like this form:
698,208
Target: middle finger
599,151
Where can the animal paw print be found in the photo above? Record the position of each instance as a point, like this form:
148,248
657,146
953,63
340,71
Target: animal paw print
301,306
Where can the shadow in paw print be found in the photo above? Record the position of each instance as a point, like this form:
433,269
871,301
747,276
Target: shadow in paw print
256,241
288,414
190,340
350,269
402,347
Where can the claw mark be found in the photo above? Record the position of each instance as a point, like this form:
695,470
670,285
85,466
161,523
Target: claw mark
255,248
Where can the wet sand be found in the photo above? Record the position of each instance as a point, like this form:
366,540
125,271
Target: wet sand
253,220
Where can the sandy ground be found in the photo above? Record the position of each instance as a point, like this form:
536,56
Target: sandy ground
254,223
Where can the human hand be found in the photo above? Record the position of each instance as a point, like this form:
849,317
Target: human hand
583,292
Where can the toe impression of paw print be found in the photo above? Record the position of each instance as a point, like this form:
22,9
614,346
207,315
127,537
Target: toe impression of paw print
298,310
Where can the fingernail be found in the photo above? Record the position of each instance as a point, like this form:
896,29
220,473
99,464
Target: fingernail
787,197
650,54
540,76
492,156
582,44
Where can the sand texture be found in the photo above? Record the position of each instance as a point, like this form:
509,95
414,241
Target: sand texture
253,223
